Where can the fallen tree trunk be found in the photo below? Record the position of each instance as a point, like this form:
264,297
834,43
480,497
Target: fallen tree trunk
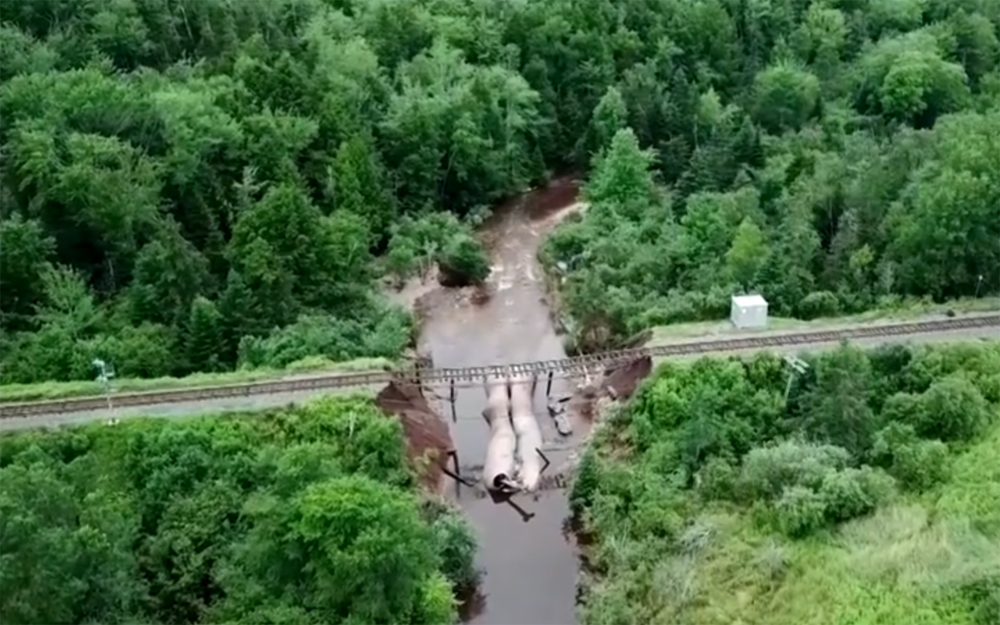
499,466
527,430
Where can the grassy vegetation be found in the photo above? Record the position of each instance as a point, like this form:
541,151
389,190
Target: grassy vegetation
905,311
905,563
62,390
711,501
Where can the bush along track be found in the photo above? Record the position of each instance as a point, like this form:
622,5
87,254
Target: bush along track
865,491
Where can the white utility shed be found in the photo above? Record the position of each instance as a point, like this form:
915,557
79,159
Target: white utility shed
749,311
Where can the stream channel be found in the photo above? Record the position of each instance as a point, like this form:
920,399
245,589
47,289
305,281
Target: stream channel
530,568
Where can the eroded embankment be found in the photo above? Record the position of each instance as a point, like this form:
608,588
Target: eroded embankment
429,442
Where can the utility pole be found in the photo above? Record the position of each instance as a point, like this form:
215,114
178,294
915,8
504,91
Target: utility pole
797,365
104,376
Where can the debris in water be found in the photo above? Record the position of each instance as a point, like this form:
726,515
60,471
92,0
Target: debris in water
557,410
563,425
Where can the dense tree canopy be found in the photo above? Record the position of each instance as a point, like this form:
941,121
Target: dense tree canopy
303,517
213,179
867,491
200,185
835,221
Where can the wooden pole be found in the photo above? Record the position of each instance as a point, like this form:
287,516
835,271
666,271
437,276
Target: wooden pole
548,386
454,415
458,472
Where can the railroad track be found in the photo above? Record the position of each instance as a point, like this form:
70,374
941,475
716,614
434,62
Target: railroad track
467,376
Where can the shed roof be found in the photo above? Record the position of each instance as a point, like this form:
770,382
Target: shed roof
749,301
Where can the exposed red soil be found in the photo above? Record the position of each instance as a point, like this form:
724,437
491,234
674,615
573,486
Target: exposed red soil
537,204
557,195
617,384
620,382
427,434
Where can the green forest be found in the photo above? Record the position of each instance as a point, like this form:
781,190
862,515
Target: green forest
304,516
215,186
201,185
866,491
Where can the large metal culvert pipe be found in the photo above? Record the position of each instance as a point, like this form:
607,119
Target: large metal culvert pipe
499,466
527,430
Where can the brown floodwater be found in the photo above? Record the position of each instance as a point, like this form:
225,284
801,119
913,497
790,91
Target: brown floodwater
530,568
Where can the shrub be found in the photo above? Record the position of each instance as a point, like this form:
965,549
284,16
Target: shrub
952,409
819,304
800,511
664,544
853,492
654,510
464,260
455,543
985,595
979,361
917,464
436,605
586,482
717,480
769,471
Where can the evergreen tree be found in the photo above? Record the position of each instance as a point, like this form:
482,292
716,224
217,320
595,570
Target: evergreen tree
747,149
204,340
610,116
359,185
239,316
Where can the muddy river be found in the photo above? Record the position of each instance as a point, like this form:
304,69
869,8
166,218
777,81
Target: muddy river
530,567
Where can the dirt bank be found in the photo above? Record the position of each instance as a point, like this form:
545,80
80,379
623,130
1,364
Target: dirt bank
428,439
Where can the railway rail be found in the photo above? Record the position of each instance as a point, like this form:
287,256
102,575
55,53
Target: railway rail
467,376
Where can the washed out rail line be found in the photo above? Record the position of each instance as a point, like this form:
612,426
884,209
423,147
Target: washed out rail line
470,376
